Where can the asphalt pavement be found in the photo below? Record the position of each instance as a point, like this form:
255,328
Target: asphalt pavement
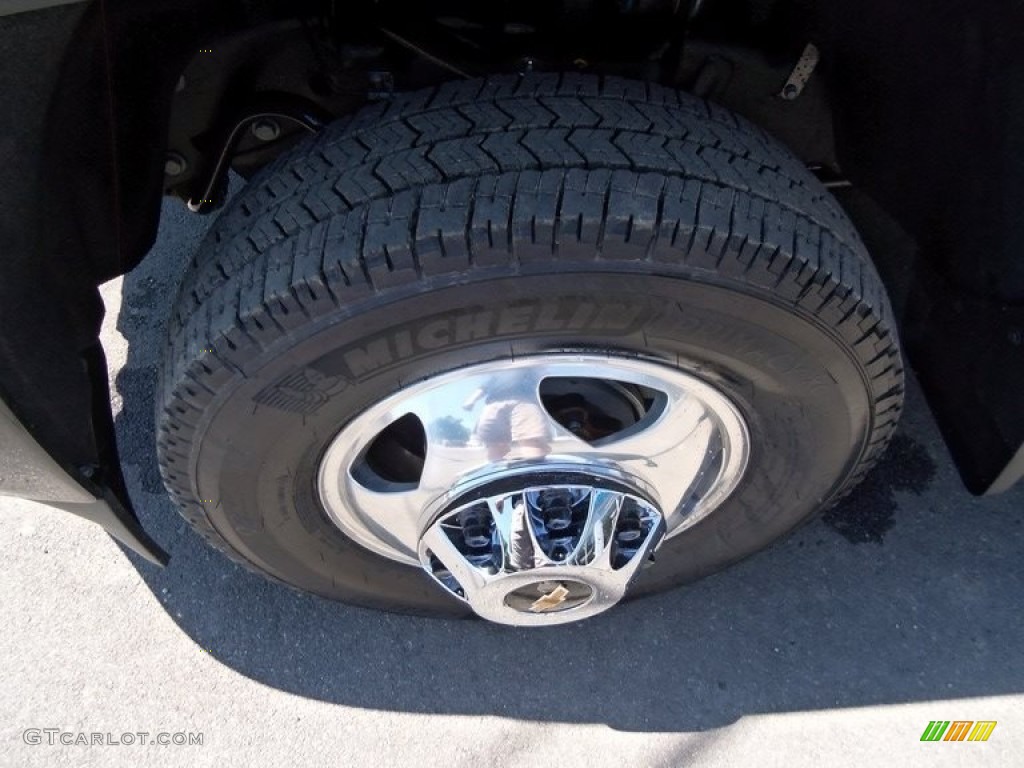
835,647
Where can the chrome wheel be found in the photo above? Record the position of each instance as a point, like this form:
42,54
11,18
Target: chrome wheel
534,489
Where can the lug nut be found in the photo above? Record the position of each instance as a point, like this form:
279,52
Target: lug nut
558,518
476,537
629,530
476,528
630,527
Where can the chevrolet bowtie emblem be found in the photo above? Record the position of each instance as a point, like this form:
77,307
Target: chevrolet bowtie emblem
551,600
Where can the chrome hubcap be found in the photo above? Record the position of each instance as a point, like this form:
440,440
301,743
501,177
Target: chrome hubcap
548,554
534,489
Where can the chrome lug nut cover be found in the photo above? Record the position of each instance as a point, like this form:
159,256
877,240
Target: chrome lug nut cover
526,572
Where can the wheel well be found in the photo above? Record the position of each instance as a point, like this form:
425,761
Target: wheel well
329,62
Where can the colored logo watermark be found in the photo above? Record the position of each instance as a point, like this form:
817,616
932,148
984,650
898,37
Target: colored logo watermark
958,730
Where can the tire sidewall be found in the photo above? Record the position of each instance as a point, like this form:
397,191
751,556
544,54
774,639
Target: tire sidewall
257,450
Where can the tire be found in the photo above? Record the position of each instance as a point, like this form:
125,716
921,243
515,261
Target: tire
648,222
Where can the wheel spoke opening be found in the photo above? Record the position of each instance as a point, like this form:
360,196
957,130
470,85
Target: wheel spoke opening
598,410
393,461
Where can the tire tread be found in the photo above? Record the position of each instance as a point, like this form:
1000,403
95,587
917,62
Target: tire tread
474,176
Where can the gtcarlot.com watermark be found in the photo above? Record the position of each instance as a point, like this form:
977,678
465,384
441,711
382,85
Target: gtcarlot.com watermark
58,737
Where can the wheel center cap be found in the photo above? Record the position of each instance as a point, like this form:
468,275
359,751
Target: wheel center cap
542,553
